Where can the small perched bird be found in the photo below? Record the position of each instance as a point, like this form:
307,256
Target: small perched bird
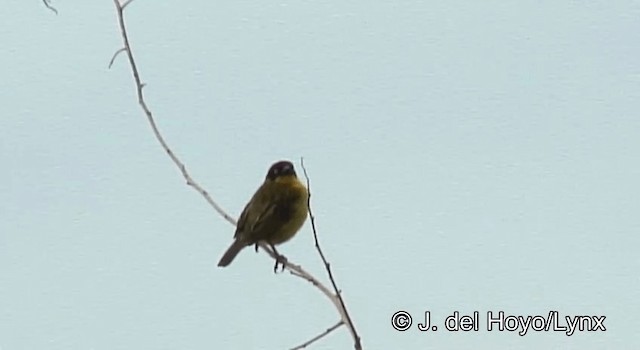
274,214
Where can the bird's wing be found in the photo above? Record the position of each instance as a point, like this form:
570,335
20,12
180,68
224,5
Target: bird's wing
254,217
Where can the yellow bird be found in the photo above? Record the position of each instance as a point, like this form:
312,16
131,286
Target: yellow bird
274,214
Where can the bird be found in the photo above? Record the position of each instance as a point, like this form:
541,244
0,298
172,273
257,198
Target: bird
275,213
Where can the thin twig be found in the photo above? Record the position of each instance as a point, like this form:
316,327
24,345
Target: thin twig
126,3
113,58
298,271
47,3
156,132
357,344
319,336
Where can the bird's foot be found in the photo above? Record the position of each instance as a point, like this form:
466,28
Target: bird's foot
280,260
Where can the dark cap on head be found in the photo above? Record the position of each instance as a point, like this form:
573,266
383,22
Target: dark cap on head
281,168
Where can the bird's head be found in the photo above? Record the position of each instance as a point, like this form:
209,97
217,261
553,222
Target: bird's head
281,169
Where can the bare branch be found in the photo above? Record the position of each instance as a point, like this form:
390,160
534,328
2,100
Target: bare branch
115,54
357,344
126,3
294,269
47,3
152,123
319,336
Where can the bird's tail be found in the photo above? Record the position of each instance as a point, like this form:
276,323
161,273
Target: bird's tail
231,253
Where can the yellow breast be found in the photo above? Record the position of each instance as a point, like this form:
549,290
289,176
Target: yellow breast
295,195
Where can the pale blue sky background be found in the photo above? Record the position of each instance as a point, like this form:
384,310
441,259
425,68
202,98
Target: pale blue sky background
464,156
